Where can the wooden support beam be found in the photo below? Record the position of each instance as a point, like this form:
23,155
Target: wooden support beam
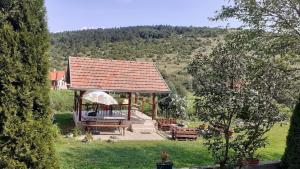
75,101
142,105
129,106
136,97
80,104
154,106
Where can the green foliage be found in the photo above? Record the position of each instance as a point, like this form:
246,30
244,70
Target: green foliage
277,33
291,158
144,154
26,130
62,100
172,48
191,110
64,120
232,84
173,106
89,136
272,15
76,131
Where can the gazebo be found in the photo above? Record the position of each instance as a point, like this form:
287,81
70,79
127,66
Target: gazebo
114,76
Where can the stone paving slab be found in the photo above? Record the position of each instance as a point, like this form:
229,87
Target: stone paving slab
134,136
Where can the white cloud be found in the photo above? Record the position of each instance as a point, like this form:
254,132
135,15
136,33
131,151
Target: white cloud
87,27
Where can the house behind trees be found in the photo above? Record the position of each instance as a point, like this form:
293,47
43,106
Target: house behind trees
58,79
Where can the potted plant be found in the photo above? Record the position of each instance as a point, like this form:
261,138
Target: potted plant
164,163
250,160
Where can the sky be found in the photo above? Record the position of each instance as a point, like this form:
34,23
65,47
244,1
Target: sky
63,15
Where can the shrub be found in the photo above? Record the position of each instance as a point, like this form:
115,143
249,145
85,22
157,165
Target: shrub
26,133
76,132
291,157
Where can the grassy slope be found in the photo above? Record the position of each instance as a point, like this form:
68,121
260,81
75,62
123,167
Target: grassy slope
144,154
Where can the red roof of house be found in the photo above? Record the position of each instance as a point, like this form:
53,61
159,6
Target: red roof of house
115,75
56,75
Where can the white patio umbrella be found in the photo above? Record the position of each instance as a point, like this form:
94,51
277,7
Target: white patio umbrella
98,96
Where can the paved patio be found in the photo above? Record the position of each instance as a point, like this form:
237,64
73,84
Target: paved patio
136,136
140,127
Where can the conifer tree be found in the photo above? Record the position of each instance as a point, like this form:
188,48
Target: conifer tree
26,132
291,157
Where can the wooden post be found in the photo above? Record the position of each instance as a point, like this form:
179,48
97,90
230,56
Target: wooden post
136,97
80,104
129,106
75,101
143,104
154,107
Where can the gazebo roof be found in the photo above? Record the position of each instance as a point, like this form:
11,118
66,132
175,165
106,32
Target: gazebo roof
115,75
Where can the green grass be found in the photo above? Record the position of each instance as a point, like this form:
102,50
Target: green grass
129,154
276,146
145,154
65,122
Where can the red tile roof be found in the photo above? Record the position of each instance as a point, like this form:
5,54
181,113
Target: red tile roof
56,75
115,75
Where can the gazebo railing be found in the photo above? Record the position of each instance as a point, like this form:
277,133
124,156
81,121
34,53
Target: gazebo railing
105,110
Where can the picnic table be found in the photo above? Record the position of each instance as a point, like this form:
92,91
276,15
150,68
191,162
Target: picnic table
107,122
165,124
184,133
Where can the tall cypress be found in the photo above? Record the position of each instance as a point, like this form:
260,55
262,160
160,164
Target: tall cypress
291,157
26,133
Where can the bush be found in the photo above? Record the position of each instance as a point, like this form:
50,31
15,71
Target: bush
26,133
291,157
56,130
76,132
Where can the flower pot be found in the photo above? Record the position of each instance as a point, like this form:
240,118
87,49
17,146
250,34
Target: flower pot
250,162
164,165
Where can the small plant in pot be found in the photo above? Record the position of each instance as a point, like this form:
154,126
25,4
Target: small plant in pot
165,163
250,159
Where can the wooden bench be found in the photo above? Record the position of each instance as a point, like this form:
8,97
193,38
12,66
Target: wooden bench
220,129
165,124
184,133
115,124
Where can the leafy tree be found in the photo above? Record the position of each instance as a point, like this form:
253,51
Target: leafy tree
178,106
26,132
233,83
281,19
173,105
291,158
282,16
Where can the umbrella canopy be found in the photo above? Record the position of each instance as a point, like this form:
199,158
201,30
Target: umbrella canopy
99,97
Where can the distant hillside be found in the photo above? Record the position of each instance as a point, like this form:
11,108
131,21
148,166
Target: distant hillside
172,48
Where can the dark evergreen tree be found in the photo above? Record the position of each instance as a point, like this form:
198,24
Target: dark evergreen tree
291,157
26,132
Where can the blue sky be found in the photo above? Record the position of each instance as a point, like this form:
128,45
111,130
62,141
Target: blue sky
79,14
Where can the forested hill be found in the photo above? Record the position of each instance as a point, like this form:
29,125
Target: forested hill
172,48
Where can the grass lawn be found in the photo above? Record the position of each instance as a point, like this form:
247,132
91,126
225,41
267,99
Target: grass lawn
145,154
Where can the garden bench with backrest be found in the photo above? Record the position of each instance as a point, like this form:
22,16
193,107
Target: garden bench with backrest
114,124
184,133
165,124
208,130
